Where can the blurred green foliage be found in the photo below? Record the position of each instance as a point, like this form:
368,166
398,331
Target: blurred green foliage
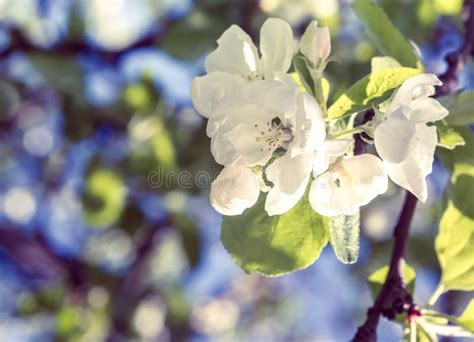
104,198
93,301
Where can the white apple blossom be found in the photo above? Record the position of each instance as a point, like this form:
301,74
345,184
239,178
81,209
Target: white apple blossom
315,43
404,140
263,130
246,131
343,184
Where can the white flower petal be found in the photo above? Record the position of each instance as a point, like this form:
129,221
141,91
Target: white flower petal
226,111
309,127
415,87
234,190
348,185
412,172
315,43
285,78
233,110
393,137
290,177
424,110
223,151
369,177
250,151
276,45
207,90
327,154
273,96
235,54
233,140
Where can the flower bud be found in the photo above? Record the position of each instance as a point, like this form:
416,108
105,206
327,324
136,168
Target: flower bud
315,43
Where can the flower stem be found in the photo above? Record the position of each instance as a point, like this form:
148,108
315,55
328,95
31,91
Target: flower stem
436,294
319,94
431,313
351,131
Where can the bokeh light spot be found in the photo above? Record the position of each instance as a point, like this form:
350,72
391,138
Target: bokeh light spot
38,141
19,205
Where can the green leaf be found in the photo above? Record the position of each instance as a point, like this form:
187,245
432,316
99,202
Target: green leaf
448,137
467,317
275,245
104,198
455,241
377,278
371,90
296,77
344,232
381,63
385,36
460,106
302,70
325,85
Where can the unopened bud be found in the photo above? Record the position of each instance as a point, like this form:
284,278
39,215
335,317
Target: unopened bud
316,43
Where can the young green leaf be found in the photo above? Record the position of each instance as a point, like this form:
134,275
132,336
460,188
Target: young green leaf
455,241
460,106
344,232
448,137
377,278
370,90
385,36
274,245
467,317
381,63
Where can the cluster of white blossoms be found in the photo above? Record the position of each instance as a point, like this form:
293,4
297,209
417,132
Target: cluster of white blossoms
270,136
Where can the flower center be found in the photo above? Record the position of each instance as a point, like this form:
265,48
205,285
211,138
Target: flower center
254,76
273,135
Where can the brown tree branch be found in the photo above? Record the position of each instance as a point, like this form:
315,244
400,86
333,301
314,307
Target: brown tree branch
393,297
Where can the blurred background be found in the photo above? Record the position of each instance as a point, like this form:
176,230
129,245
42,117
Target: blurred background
97,243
